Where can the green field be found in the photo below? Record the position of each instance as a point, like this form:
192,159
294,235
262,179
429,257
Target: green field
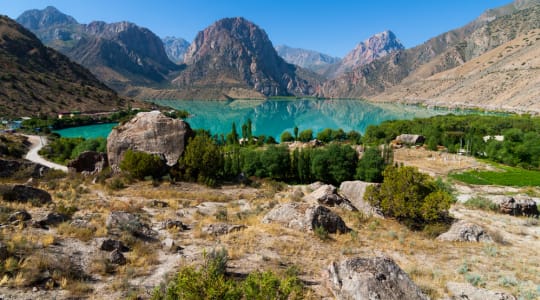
507,176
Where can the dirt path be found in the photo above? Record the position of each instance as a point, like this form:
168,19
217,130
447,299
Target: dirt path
37,143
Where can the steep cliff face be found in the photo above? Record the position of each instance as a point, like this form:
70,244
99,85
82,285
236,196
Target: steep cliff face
120,54
38,80
175,48
441,53
234,53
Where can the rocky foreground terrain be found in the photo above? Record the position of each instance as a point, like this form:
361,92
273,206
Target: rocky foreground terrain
94,238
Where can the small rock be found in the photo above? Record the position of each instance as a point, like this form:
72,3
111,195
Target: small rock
4,253
463,231
371,278
459,291
221,228
327,195
174,224
116,257
170,245
160,204
82,223
111,245
20,215
54,219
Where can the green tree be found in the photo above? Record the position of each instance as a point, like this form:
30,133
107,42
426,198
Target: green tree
276,162
295,133
202,160
325,135
286,137
334,164
371,166
232,137
141,164
305,135
354,137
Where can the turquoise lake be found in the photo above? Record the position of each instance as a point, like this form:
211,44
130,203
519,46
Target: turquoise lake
89,131
272,117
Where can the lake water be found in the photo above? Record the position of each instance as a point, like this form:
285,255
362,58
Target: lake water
272,117
89,131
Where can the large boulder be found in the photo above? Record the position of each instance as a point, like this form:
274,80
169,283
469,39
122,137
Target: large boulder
150,132
89,161
21,168
24,193
371,278
327,195
518,206
463,231
303,216
459,291
354,191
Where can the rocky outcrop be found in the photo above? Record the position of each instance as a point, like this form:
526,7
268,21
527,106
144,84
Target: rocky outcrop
327,195
518,206
460,291
235,54
354,191
371,278
303,216
90,162
53,219
174,224
19,216
410,139
150,132
24,193
463,231
120,221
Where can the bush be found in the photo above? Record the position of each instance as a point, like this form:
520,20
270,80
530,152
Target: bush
371,166
141,164
211,282
481,203
305,135
334,163
413,198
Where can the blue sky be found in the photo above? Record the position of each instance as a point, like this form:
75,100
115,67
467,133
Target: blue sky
333,27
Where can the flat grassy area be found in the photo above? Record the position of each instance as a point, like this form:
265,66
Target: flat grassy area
507,176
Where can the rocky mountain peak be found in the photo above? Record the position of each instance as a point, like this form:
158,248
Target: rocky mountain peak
225,33
377,46
50,16
175,48
236,53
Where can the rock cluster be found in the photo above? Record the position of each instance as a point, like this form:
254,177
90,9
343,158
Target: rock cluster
150,132
518,206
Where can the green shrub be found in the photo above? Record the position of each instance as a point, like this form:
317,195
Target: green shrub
202,161
286,137
211,282
305,135
481,203
413,198
141,164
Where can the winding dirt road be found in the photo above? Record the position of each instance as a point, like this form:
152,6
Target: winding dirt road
37,143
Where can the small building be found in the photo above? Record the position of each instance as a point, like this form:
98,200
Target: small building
410,139
498,138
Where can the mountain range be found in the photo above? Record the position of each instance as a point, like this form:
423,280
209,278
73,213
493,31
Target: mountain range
234,58
37,80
